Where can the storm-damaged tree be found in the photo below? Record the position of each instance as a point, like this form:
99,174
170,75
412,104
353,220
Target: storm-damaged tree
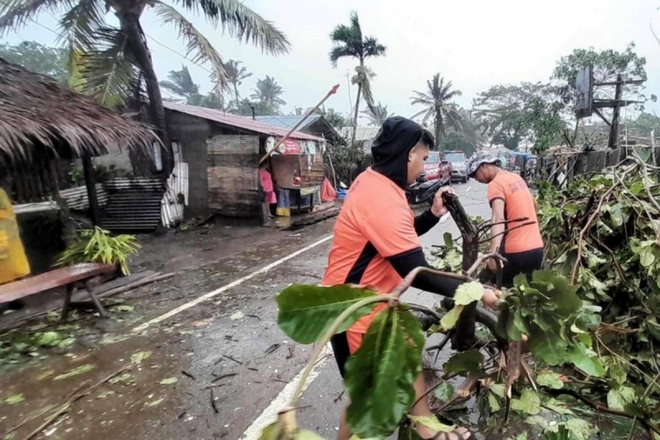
113,62
348,41
439,108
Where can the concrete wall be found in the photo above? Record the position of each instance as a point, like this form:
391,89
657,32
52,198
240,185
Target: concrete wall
192,133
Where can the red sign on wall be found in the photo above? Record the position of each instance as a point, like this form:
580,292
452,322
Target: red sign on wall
291,146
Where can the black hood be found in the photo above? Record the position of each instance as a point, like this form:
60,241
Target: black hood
391,147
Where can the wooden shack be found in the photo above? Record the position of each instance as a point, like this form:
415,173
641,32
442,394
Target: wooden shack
43,125
223,150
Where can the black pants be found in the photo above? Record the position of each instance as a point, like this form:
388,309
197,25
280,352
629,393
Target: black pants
521,262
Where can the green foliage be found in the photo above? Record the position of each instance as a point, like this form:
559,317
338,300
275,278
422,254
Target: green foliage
268,92
517,114
465,362
107,66
547,310
306,312
380,375
98,246
348,41
439,108
457,141
606,65
618,269
35,57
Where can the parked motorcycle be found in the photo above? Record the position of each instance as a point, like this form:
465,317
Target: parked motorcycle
423,191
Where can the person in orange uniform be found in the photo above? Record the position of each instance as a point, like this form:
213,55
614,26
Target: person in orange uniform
510,198
376,241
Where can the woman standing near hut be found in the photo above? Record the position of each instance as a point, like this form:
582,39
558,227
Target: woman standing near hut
267,185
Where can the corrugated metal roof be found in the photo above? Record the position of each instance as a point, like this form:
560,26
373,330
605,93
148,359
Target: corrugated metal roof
287,121
236,121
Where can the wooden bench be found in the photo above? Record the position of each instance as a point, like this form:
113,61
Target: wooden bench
81,275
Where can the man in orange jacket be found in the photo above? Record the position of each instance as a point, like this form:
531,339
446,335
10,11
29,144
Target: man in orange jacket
376,241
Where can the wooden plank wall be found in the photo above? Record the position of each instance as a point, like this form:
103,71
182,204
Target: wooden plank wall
233,180
283,169
312,176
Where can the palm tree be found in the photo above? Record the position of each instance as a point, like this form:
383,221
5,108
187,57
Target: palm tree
377,114
181,84
235,75
116,60
348,41
436,99
268,92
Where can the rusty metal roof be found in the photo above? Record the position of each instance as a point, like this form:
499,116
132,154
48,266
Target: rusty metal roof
242,122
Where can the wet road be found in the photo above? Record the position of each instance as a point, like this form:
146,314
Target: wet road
218,337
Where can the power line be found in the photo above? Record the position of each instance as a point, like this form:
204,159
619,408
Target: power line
179,53
149,36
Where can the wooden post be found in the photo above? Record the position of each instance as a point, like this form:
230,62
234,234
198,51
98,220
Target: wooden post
613,141
90,183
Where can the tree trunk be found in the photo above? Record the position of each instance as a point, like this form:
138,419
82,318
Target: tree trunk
355,118
438,128
236,95
130,24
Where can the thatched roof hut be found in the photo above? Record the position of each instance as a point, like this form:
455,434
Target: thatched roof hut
35,111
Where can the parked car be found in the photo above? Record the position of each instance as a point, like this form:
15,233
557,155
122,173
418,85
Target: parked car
437,168
458,163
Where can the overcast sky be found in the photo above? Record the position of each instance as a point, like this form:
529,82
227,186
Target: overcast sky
474,43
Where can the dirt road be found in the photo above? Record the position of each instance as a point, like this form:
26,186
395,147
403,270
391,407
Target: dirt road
202,352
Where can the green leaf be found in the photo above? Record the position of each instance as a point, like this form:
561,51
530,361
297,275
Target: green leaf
16,398
139,356
307,311
169,381
498,389
529,403
466,362
580,429
586,360
154,402
493,403
49,339
449,241
646,257
66,342
550,380
123,308
548,347
619,398
468,293
380,375
450,319
76,371
432,422
445,392
537,421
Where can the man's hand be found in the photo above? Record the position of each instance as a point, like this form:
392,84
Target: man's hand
492,264
491,299
439,209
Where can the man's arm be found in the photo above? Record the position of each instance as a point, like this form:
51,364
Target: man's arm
496,230
425,221
428,282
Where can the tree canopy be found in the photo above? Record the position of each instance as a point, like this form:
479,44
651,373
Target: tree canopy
37,58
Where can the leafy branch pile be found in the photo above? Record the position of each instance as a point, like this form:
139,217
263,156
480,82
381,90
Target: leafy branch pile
603,234
590,320
98,246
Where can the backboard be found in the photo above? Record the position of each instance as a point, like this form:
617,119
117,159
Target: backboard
584,88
